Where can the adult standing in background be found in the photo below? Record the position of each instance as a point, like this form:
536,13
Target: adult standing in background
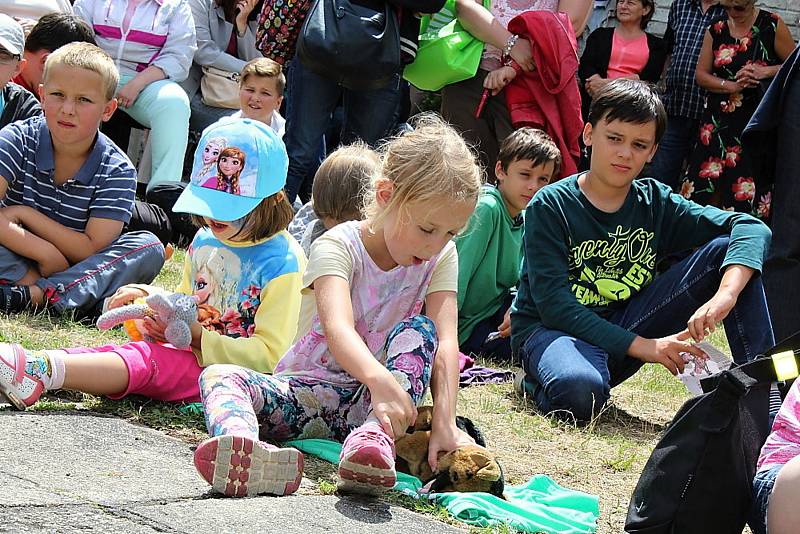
460,100
226,40
683,99
738,54
626,51
772,138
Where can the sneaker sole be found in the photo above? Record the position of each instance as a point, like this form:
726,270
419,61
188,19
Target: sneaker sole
12,398
240,467
366,472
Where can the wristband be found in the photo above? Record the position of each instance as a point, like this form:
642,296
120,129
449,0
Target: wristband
722,83
510,42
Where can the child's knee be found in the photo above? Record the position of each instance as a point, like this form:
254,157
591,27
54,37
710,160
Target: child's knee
583,394
219,374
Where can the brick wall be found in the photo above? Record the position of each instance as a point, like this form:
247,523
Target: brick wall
789,10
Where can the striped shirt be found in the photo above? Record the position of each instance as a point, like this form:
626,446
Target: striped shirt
104,186
686,27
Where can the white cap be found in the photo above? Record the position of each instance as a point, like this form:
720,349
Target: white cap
12,38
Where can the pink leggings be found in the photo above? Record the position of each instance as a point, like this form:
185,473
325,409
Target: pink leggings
160,372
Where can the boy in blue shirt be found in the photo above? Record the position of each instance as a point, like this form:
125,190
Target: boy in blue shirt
591,308
66,191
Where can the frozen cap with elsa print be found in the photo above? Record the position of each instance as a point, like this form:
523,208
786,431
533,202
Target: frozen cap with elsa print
237,164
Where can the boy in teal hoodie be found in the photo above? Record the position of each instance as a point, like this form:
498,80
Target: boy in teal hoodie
591,308
490,251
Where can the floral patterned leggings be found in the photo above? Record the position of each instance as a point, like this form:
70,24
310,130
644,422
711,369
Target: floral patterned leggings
237,400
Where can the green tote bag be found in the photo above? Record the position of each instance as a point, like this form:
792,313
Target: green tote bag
447,52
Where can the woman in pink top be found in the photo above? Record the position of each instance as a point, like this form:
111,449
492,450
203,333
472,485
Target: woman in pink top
626,51
460,100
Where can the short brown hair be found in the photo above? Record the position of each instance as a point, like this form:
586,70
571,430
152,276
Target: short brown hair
342,179
272,215
529,144
89,57
265,68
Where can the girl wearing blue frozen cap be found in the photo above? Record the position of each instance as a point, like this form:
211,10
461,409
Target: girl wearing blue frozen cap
242,266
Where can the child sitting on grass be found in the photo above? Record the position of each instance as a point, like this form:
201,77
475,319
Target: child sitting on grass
243,268
66,193
337,194
369,356
490,250
591,308
261,85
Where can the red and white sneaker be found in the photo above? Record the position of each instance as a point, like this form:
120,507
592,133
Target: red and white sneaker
366,464
21,389
241,467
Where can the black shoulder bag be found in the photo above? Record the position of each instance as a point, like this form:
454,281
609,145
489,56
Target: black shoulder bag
699,477
356,45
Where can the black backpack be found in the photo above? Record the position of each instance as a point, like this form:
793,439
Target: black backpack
699,477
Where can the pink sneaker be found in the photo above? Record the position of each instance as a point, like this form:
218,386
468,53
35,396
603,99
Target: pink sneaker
21,389
237,467
366,464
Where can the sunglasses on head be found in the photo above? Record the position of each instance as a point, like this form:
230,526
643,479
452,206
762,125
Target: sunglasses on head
738,9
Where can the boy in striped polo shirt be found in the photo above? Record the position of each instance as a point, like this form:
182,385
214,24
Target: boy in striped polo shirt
65,193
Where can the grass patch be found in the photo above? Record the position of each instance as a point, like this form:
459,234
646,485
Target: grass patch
604,458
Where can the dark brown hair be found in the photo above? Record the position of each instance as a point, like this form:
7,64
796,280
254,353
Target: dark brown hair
529,144
629,101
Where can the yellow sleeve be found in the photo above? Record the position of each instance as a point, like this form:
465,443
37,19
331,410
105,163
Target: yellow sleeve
185,287
275,327
445,273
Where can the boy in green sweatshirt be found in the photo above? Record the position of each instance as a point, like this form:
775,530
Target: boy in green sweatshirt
591,308
490,251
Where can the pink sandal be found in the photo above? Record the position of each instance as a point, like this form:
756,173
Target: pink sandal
21,389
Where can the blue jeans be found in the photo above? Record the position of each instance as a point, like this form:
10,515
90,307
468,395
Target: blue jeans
368,115
567,374
135,257
763,483
500,348
679,139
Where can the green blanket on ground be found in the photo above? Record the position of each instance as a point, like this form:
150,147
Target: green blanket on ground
541,505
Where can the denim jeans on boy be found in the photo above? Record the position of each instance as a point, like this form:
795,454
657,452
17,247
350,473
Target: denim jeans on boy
571,375
135,257
368,115
679,139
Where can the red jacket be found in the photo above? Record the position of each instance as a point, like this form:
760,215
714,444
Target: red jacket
548,98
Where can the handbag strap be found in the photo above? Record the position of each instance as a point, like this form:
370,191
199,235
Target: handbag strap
777,367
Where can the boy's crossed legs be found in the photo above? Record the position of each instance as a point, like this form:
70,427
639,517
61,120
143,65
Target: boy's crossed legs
134,257
237,400
567,374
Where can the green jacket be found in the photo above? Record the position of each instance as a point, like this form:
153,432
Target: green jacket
489,256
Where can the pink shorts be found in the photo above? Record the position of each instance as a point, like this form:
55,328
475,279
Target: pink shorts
160,372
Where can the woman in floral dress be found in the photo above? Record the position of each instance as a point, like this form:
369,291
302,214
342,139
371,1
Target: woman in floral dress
740,54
